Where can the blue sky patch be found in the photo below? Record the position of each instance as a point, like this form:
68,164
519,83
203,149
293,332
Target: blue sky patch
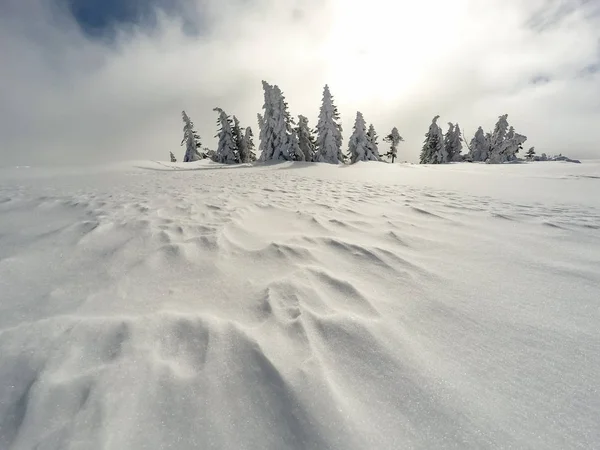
101,18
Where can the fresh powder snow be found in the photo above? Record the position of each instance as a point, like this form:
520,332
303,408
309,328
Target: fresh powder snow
158,305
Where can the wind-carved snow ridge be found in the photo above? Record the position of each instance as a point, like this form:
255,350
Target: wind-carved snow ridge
299,306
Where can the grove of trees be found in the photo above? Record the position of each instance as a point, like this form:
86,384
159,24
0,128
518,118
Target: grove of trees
282,138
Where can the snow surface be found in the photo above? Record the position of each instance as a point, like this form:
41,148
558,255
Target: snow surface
300,306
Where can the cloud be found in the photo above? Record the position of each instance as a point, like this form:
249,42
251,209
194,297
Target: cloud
68,97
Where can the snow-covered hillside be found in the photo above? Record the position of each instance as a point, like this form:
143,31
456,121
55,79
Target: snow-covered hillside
300,306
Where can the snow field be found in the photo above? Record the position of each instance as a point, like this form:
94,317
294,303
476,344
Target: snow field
300,306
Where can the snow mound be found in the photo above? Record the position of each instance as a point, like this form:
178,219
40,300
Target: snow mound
165,305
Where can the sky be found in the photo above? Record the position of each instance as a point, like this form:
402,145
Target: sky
89,81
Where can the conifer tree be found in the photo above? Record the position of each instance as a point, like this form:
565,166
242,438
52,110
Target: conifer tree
329,131
433,151
284,146
276,141
530,153
505,142
449,139
372,145
357,145
239,141
226,150
295,152
511,133
394,140
173,159
479,146
266,125
191,139
249,142
306,139
499,134
453,143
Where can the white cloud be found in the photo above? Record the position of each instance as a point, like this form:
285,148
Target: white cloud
66,98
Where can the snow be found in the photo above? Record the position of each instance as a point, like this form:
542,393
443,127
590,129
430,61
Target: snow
300,306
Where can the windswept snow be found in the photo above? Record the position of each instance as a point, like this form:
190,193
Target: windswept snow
300,306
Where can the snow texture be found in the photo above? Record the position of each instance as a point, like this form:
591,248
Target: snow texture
157,305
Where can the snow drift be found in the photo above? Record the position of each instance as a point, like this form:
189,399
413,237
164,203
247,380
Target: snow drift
300,306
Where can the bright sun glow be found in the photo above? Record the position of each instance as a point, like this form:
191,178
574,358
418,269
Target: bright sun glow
401,39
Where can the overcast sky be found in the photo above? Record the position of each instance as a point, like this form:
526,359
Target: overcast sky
92,80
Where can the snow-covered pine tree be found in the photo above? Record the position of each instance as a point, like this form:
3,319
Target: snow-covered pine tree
488,145
266,125
505,143
276,127
530,153
239,141
499,134
329,131
262,136
357,145
448,140
294,147
191,139
478,147
173,159
507,150
282,120
372,145
249,142
454,144
394,140
226,150
511,133
306,139
433,151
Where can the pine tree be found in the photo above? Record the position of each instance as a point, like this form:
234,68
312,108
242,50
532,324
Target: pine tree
453,143
173,159
266,125
433,151
191,139
276,141
372,145
499,134
505,142
357,145
329,131
284,148
239,141
249,142
479,146
295,150
530,153
511,133
226,150
306,139
449,139
394,140
507,150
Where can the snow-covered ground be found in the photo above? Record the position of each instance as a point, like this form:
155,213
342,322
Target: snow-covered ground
300,306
